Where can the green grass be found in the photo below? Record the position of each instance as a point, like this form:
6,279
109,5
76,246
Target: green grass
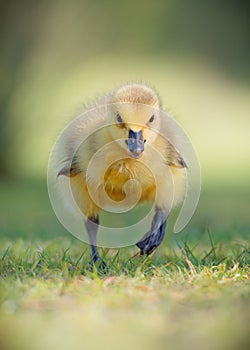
192,293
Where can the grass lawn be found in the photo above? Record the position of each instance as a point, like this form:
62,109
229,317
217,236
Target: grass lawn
193,293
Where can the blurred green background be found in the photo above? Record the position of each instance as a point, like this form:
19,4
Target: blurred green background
55,55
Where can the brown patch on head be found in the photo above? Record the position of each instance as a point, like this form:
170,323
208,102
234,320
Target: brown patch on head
137,93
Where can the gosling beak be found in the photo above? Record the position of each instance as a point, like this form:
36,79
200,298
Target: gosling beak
135,144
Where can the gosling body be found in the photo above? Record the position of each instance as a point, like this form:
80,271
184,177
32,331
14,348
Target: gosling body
129,143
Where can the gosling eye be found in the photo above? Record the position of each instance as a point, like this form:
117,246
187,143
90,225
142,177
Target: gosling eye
119,118
152,118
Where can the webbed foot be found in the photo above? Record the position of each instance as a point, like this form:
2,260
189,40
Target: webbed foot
96,263
152,239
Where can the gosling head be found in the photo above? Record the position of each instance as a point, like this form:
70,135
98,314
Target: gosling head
135,118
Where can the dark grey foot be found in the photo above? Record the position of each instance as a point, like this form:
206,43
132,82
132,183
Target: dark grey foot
95,262
152,240
98,264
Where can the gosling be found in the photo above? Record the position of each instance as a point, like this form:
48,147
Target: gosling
134,130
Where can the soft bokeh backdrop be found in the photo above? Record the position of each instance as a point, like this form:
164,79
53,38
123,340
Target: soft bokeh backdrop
56,55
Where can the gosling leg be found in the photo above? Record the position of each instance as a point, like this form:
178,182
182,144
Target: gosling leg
152,239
